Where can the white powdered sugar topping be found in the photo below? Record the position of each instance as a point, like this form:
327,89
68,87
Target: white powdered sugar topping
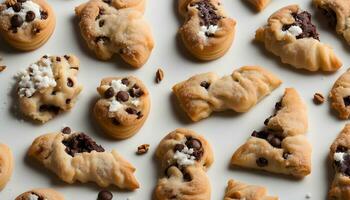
26,6
294,30
184,157
207,30
115,106
37,76
339,156
117,85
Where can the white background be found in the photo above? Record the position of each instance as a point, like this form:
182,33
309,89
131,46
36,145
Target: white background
225,131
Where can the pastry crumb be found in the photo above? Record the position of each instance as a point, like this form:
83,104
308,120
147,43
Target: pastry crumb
159,75
2,68
142,149
318,98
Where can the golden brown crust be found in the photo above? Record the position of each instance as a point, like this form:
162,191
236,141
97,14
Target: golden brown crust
239,92
293,155
304,53
42,193
340,95
6,165
31,35
259,5
120,124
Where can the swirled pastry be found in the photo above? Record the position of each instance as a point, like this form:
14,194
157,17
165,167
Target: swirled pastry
290,34
48,87
123,107
109,30
259,4
236,190
184,157
76,157
202,94
40,194
6,165
337,13
26,24
340,95
208,32
340,156
281,147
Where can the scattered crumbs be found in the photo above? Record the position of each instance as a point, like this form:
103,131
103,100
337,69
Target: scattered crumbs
308,196
159,75
2,68
142,149
318,98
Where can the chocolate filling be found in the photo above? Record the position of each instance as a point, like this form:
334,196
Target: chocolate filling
205,84
49,108
81,143
207,13
331,16
191,143
303,20
346,101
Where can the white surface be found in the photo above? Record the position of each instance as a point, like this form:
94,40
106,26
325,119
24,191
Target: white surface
225,131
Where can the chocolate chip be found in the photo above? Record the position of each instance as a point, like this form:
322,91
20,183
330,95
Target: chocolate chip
136,91
131,111
44,15
207,13
135,86
109,93
262,162
66,130
285,155
104,195
260,134
17,7
115,122
81,143
125,81
102,39
275,142
68,101
46,56
30,16
58,59
346,100
122,96
197,153
205,84
70,82
21,1
187,177
331,16
139,115
193,143
66,57
107,1
341,148
101,23
179,147
278,106
16,21
49,108
266,122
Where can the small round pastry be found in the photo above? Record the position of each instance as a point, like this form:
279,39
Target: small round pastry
6,165
123,107
39,194
26,24
48,87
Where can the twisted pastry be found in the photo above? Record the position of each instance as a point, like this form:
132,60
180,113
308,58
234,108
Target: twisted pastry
202,94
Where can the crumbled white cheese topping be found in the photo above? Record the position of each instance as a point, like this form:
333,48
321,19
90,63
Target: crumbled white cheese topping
115,105
294,30
135,102
33,197
26,6
117,85
339,156
184,158
37,76
205,30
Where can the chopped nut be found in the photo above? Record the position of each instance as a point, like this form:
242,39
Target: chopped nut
142,149
2,68
159,75
318,98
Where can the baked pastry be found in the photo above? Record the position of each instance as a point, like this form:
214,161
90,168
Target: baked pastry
340,95
236,190
339,156
208,32
48,87
76,157
290,34
122,4
6,165
281,147
184,157
337,13
26,24
202,94
123,107
108,30
40,194
259,5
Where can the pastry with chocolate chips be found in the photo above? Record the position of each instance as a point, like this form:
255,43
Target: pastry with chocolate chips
77,157
208,32
237,190
6,165
203,94
184,157
48,87
259,5
290,35
108,28
340,95
40,194
281,147
26,24
123,106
